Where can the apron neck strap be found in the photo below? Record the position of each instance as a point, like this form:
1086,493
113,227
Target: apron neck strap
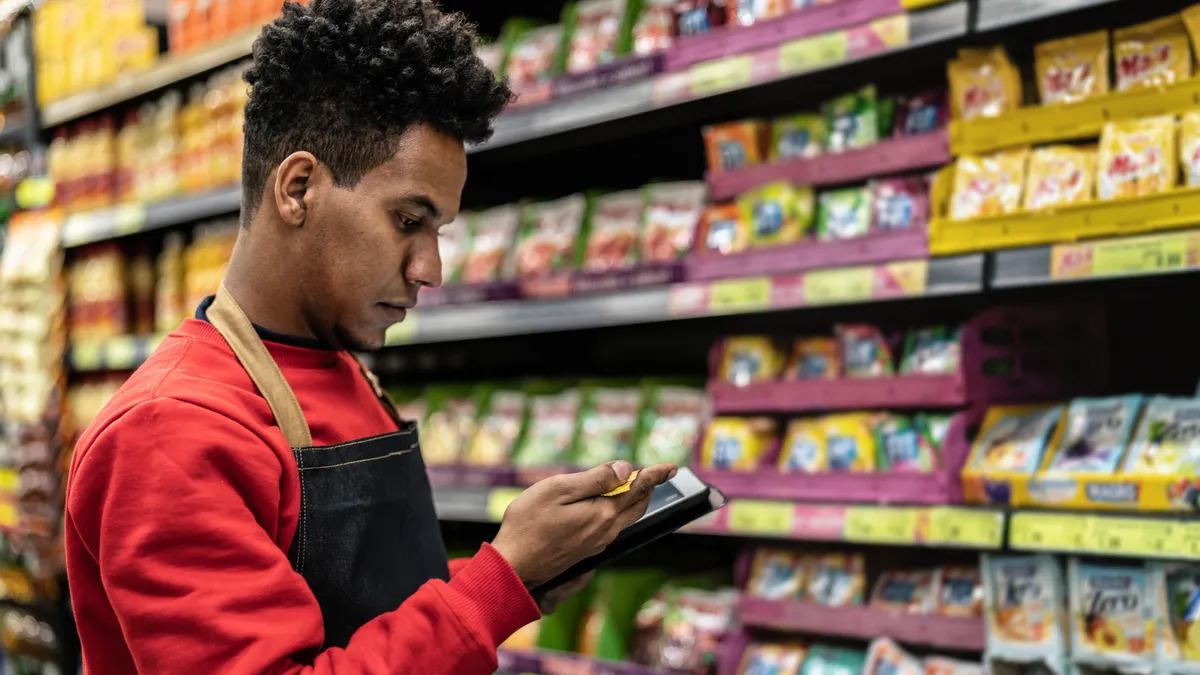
231,322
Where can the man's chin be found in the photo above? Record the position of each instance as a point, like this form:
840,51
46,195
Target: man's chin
361,341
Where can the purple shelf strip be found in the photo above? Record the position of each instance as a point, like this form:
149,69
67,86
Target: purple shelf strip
864,623
889,156
650,274
901,391
463,294
544,662
804,23
609,75
941,487
874,248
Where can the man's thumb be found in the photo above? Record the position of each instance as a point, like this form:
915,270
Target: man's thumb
597,480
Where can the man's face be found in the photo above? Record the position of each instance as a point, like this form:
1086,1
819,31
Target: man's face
375,245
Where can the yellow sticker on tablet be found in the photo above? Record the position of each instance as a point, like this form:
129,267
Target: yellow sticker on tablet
623,487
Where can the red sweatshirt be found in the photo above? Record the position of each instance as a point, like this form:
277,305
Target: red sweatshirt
182,504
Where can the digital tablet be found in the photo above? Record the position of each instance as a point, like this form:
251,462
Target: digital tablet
673,504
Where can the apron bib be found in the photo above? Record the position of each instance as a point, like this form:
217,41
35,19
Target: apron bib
368,536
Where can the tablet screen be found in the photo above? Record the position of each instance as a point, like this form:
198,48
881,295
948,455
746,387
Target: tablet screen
663,495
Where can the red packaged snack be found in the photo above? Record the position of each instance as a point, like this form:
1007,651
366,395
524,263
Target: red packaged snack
597,29
654,30
899,203
616,222
672,213
697,17
495,231
921,113
549,236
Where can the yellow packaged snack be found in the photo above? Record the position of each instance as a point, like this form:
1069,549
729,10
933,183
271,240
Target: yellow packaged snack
849,442
750,359
1072,69
1152,54
1189,148
983,83
1059,175
988,186
737,443
804,447
1137,158
1191,21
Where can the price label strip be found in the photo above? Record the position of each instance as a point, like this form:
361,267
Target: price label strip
752,516
838,286
735,296
881,525
1035,531
812,53
714,77
969,528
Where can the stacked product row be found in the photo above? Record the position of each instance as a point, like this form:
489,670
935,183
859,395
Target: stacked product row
882,657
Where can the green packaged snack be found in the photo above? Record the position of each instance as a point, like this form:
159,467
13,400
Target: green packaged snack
552,236
931,351
536,54
826,660
452,412
600,31
609,424
934,428
844,214
499,428
800,135
552,428
778,213
900,446
671,424
852,120
886,117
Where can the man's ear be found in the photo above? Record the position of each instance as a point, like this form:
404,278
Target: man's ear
292,185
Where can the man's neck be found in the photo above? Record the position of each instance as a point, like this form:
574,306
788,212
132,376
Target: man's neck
266,288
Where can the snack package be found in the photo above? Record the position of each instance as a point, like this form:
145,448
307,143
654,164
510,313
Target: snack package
671,422
697,17
1167,440
852,120
1014,438
750,359
495,231
1072,69
849,442
775,574
613,237
803,447
814,358
535,56
826,660
499,429
1097,432
552,429
795,136
693,628
909,592
1059,175
899,203
1152,54
454,244
835,579
608,428
493,56
724,230
885,657
900,445
1176,596
958,591
940,665
737,443
654,30
777,213
549,236
771,659
844,214
1023,597
672,213
450,425
989,185
983,83
933,429
931,351
865,351
750,12
1137,158
597,36
922,113
734,145
1189,148
1112,616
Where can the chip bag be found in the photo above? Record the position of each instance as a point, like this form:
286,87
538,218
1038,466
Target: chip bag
852,120
495,231
1072,69
725,231
549,236
654,29
1023,600
1059,175
1176,596
1112,614
1137,158
983,83
1152,54
750,359
905,592
597,35
737,443
671,424
836,579
672,212
450,425
804,447
749,12
899,203
734,145
921,113
772,659
775,574
844,214
865,350
536,55
613,237
609,424
850,442
900,445
454,245
795,136
550,436
499,429
815,358
1189,147
1097,433
988,186
959,591
777,213
1167,440
1014,438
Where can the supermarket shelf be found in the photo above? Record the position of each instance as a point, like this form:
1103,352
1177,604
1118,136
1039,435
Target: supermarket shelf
877,247
120,352
886,157
168,71
902,391
1169,253
1141,536
544,662
96,226
864,623
903,279
994,14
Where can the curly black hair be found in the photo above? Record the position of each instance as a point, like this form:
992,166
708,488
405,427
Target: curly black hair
343,79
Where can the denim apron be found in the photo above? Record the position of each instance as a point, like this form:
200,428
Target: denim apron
367,537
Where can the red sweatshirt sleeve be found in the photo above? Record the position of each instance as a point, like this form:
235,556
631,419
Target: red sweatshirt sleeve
457,564
172,519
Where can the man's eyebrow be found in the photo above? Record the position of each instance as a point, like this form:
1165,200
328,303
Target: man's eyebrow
426,203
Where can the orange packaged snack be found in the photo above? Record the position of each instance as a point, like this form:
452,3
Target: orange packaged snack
983,83
724,229
988,186
1137,158
735,144
1072,69
1059,175
1152,54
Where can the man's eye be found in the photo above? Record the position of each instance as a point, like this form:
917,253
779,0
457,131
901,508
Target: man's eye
408,223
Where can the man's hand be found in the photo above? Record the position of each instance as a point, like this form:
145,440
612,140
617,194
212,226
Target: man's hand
560,521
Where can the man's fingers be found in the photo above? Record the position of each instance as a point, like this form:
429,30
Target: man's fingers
595,481
644,484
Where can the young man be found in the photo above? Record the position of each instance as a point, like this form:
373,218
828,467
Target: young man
249,502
